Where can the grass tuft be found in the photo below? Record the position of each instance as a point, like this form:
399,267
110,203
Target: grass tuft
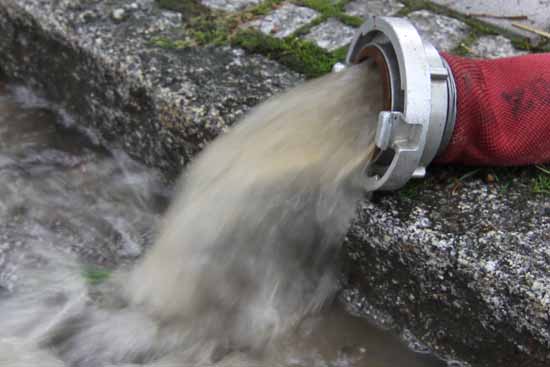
331,9
207,27
96,276
541,182
295,53
412,189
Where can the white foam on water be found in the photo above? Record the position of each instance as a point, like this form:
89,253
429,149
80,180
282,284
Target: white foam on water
244,259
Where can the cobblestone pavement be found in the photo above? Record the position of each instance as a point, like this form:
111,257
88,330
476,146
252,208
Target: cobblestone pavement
443,22
505,13
285,20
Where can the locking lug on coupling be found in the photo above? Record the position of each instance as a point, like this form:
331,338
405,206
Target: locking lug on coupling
419,97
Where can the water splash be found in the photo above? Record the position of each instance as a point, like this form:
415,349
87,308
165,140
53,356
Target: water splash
244,259
250,239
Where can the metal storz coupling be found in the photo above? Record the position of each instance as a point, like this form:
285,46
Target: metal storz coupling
419,110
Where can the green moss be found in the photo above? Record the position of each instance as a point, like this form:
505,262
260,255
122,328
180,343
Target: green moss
302,31
331,9
327,8
264,7
543,46
541,182
525,45
504,177
412,188
464,48
299,55
216,28
351,20
211,30
96,276
340,53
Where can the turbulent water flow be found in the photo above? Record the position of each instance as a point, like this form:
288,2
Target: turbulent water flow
244,260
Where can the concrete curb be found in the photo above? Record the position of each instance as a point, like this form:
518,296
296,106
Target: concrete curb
161,105
467,270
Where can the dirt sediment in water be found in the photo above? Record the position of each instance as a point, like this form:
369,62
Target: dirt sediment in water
244,258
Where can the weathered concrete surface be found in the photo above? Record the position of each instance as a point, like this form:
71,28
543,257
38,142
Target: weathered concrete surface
331,34
161,105
285,20
466,266
465,270
443,32
494,46
229,5
364,8
496,11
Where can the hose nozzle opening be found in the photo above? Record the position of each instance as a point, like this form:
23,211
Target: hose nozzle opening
419,100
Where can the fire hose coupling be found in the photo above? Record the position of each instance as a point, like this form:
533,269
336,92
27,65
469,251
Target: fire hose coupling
419,110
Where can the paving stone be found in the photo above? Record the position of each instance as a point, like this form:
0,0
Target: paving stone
492,47
331,34
285,20
229,5
536,12
363,8
443,32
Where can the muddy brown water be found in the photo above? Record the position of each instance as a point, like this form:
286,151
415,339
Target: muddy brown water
75,203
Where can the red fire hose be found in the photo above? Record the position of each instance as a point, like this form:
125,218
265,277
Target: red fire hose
450,109
503,111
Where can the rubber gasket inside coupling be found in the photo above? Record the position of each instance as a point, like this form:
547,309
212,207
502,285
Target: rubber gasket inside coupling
372,52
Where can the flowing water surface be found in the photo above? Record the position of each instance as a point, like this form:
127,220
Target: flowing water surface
241,270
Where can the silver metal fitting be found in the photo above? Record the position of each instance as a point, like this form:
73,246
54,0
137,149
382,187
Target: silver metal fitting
420,100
